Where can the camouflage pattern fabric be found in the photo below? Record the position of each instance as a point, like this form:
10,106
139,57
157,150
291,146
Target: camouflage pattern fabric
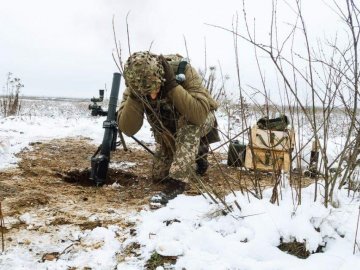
143,72
175,154
164,154
178,119
191,100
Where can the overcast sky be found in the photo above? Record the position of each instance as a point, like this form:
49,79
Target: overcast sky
64,48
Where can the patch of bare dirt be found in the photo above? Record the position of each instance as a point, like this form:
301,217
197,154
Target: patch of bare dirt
39,186
53,179
30,199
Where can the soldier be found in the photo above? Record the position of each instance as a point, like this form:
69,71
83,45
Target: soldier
180,112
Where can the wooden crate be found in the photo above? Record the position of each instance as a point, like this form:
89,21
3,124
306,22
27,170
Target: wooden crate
275,140
267,159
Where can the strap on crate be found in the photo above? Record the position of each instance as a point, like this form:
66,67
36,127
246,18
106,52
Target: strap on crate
272,145
268,159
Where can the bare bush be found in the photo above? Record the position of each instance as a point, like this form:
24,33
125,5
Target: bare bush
10,101
329,71
332,76
211,82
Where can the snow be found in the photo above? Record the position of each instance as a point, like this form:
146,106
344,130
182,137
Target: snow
94,248
208,241
192,228
122,165
16,133
41,123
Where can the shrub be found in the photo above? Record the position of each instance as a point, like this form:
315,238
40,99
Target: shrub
9,101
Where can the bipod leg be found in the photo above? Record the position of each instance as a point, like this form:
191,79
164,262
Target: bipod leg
122,140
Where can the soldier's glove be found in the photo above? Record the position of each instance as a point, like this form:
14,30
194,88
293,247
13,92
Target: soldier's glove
169,76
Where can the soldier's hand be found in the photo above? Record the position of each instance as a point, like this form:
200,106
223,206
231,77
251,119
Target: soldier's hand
169,76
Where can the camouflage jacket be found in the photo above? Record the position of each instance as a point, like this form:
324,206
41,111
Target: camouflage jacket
189,102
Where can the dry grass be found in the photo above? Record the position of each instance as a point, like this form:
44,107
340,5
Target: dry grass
158,260
2,227
10,102
295,248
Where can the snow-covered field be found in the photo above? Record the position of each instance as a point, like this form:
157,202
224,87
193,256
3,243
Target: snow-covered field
191,228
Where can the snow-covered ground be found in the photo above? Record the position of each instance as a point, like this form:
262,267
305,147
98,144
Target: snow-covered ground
193,228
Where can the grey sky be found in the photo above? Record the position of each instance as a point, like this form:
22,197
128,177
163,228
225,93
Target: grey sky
63,48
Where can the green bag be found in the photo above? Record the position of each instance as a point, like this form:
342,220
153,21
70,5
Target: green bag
278,124
236,154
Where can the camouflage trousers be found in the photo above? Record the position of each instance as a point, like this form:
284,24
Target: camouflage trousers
175,154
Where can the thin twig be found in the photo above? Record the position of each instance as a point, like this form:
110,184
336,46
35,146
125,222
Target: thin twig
128,32
118,63
357,228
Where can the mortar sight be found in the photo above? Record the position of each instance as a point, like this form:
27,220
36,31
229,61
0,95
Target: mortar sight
96,109
100,98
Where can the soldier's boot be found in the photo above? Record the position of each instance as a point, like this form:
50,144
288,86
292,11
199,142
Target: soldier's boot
201,166
173,188
202,163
